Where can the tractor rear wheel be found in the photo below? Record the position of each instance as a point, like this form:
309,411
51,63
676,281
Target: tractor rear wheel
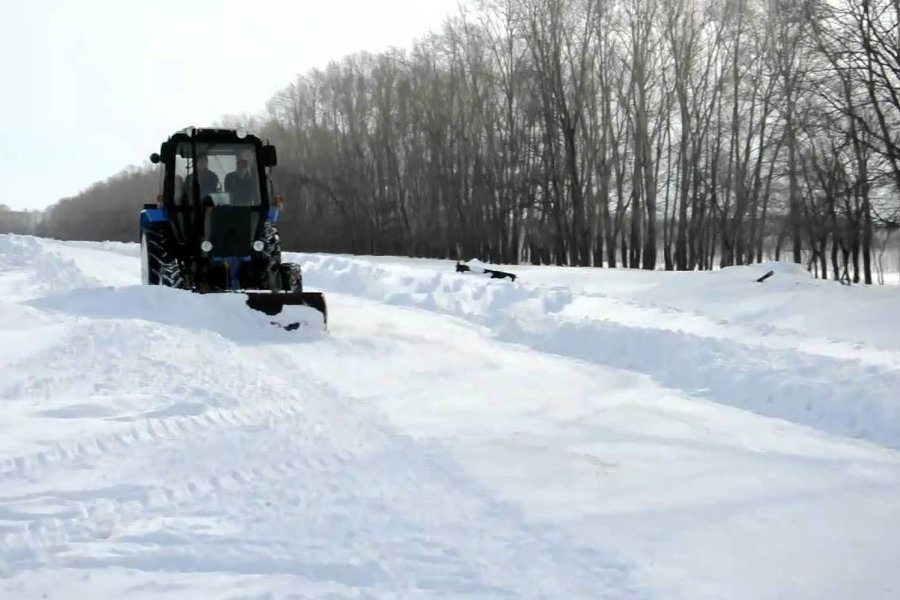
159,266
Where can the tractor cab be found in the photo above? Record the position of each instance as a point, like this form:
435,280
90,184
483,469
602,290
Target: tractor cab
215,190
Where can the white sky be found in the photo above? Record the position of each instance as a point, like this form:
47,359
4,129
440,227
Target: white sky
88,87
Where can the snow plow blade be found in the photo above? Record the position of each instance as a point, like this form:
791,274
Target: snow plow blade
477,266
293,309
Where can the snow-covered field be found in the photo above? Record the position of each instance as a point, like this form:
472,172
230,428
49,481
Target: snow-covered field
577,434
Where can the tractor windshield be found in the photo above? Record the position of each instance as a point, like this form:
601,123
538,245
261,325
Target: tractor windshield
226,174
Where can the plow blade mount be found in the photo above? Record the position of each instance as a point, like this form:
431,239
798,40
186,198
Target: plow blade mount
293,310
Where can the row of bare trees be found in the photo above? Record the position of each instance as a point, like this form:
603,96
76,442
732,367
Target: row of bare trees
107,210
683,134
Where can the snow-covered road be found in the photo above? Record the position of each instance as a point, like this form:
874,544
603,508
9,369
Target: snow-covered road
578,434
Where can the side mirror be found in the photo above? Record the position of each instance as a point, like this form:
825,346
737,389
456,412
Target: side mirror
269,156
154,158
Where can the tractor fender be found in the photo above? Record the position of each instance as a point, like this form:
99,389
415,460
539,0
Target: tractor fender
153,215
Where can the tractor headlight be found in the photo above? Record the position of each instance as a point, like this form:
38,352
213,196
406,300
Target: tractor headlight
206,245
258,245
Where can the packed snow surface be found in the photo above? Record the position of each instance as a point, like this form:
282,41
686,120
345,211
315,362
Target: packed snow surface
580,433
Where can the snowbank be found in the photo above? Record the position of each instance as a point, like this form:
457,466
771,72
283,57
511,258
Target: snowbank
755,369
224,314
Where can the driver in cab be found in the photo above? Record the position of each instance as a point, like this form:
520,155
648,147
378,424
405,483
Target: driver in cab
209,181
241,184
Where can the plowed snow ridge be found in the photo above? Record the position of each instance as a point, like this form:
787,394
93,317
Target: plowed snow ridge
817,384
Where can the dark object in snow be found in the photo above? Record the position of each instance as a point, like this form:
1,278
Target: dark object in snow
200,237
495,274
766,276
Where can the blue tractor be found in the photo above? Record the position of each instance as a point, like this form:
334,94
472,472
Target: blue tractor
213,229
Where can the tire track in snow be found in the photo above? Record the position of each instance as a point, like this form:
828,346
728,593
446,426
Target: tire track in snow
321,485
30,466
84,373
61,366
103,515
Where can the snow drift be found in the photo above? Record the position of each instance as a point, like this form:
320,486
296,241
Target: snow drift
799,375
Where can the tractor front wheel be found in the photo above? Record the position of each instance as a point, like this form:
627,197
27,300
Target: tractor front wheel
291,277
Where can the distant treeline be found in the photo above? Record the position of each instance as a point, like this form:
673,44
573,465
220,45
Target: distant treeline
681,134
18,221
108,210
